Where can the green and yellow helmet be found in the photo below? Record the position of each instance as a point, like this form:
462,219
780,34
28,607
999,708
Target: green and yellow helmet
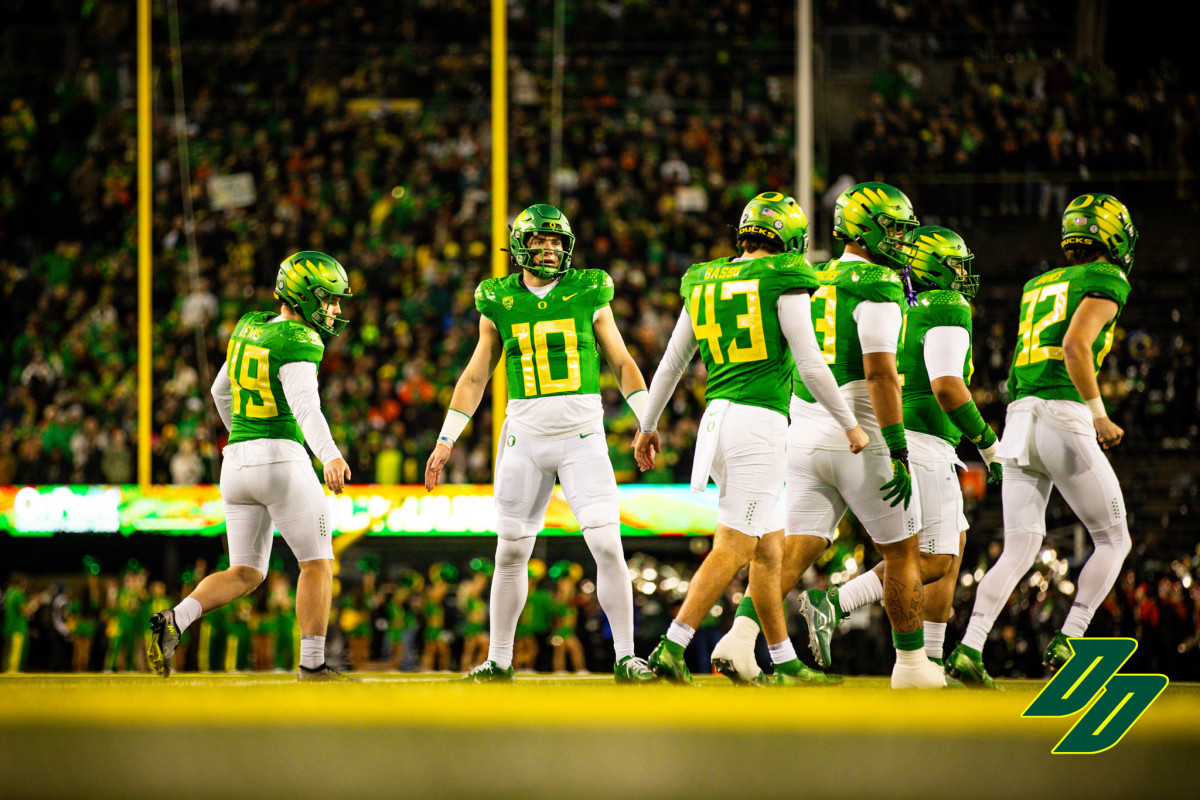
1103,220
777,218
540,218
308,281
937,258
873,215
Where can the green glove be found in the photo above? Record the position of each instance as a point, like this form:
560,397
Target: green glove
995,473
900,486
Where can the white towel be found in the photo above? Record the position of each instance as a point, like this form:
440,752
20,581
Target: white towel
706,443
1014,444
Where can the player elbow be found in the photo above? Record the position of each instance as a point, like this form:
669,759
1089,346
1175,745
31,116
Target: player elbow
1075,350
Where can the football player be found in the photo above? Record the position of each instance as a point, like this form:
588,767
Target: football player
266,394
548,320
744,314
1057,424
857,316
935,366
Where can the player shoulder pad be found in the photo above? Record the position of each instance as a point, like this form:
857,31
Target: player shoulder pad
871,282
943,307
487,296
790,271
597,283
300,342
1107,279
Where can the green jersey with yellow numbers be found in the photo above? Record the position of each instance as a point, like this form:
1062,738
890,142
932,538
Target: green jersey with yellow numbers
1047,304
733,309
549,345
844,285
934,309
257,349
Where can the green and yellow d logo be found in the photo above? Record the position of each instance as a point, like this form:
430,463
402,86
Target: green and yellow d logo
1091,674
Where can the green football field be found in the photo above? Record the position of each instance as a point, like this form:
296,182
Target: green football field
392,735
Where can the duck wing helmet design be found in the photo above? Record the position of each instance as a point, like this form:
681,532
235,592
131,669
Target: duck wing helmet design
777,218
307,281
546,219
1103,220
872,215
937,258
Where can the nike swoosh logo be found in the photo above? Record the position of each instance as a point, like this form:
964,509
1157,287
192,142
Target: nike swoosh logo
569,296
585,435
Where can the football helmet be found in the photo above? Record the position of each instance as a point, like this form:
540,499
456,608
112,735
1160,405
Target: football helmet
873,215
937,258
1103,220
307,281
777,218
540,218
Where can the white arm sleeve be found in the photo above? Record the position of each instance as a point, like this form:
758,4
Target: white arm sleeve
795,321
299,381
878,326
679,354
222,395
946,351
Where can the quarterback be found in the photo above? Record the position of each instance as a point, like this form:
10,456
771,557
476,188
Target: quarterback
266,394
744,315
1057,423
548,320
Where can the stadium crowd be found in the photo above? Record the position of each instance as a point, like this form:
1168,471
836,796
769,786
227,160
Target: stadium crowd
376,153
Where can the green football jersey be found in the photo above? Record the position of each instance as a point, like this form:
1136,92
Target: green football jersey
732,305
1047,305
549,345
257,349
934,309
843,287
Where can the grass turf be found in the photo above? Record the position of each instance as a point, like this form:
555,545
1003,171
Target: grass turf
388,735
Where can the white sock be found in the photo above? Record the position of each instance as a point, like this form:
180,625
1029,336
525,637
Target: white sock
510,588
910,658
783,652
865,589
614,590
680,634
1097,577
312,651
1020,550
935,638
187,612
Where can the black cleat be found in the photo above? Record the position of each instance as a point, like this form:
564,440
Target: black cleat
164,638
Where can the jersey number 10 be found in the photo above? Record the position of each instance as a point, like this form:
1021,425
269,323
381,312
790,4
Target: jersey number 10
535,351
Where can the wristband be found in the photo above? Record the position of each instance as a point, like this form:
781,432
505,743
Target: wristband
1096,406
894,436
968,420
988,453
452,428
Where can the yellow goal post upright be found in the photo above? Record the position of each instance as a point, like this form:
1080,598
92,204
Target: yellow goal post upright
145,256
500,262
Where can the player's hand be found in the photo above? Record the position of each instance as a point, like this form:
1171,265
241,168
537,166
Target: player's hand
995,473
900,486
645,447
1108,433
337,472
433,467
858,439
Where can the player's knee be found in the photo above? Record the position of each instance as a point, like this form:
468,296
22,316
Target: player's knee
935,567
597,515
247,577
511,529
1117,537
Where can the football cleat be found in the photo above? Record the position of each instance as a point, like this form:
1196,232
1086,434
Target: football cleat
822,619
967,665
668,663
734,658
1058,652
925,675
951,682
487,672
632,669
321,673
164,638
795,673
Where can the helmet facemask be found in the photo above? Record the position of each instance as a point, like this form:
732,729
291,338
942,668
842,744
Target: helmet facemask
545,220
